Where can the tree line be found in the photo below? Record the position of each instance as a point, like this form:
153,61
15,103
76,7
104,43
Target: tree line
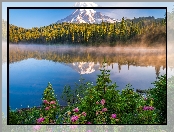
126,31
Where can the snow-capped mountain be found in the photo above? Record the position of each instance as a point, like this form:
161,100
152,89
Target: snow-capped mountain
84,67
86,15
85,4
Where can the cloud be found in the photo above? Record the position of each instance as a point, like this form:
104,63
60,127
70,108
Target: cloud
169,5
120,13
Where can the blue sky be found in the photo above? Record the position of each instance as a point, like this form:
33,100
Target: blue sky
36,18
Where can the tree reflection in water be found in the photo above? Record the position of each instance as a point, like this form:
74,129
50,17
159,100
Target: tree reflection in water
140,56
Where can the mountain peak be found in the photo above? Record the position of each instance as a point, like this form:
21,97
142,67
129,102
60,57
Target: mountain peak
85,4
86,15
84,67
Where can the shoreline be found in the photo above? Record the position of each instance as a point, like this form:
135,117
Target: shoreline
64,106
37,107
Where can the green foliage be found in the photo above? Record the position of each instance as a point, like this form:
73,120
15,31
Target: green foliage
74,96
94,94
27,116
50,106
128,105
98,104
159,95
132,108
12,117
49,93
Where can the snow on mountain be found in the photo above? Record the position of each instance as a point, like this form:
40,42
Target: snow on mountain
84,67
85,4
86,15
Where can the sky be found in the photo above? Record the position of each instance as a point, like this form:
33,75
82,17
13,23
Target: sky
29,18
37,18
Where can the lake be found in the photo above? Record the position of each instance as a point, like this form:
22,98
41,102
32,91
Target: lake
32,66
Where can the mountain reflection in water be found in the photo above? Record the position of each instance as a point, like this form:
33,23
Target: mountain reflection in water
86,59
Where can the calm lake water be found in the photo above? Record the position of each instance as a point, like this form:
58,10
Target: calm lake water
31,67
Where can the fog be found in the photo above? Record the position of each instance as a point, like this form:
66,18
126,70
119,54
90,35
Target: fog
101,49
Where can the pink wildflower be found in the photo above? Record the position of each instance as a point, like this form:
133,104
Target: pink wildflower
151,108
84,113
148,108
96,112
104,109
47,108
41,119
102,102
36,127
114,116
53,102
88,122
74,118
76,110
45,101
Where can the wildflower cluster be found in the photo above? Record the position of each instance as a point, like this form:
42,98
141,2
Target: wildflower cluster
49,105
148,108
74,118
40,120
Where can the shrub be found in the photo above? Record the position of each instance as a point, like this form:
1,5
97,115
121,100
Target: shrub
159,96
50,106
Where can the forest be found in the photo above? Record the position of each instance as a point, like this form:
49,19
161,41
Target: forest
143,29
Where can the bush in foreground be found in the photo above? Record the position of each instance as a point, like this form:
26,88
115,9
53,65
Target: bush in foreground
99,104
